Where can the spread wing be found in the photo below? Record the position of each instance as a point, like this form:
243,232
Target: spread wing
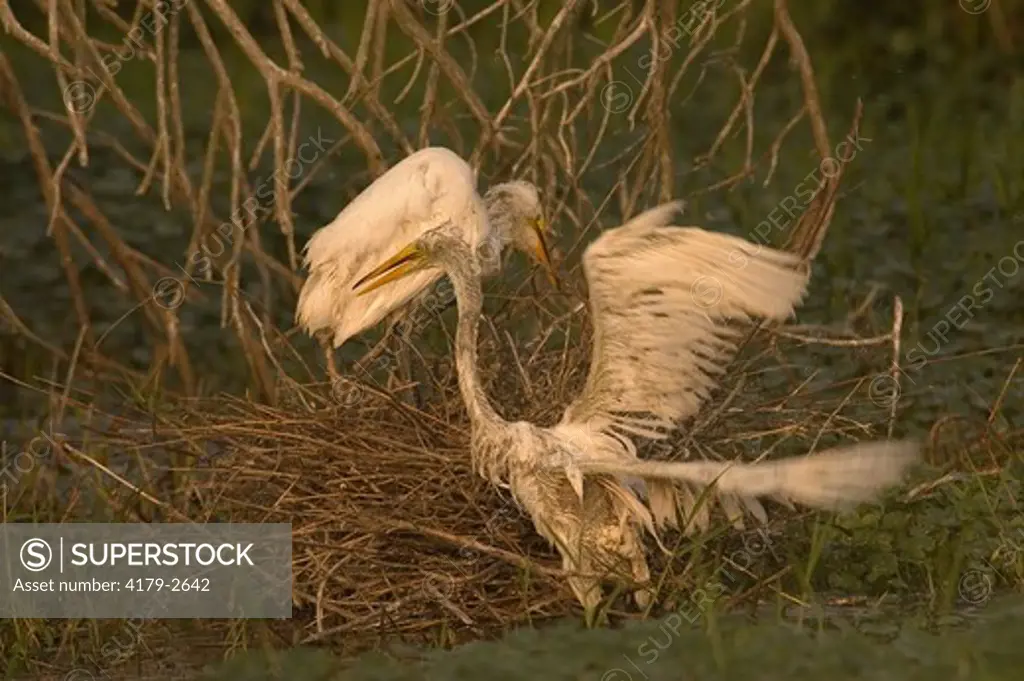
834,480
661,299
424,190
661,302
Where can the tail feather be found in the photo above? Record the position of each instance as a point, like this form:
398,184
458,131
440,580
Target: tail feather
659,216
835,479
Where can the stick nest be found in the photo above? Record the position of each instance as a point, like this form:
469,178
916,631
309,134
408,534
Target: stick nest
394,536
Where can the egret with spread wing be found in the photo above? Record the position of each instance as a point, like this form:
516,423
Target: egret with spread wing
659,340
428,188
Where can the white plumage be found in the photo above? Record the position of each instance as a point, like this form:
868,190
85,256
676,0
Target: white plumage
429,188
661,299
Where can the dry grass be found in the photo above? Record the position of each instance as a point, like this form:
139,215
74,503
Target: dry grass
394,537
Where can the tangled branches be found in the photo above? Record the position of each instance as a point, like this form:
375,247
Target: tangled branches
576,97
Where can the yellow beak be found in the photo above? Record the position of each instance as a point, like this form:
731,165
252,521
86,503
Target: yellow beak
403,263
541,252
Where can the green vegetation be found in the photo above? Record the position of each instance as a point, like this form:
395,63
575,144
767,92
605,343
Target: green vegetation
662,650
927,585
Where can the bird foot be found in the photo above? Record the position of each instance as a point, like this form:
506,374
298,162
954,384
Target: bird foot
643,598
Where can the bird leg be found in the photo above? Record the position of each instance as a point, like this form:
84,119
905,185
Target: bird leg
327,345
641,575
587,589
403,357
364,364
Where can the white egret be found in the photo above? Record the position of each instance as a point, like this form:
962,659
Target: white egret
659,338
430,187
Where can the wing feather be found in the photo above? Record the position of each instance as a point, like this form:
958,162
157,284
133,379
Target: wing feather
834,479
423,191
661,299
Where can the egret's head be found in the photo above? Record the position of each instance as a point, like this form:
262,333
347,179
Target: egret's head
515,211
440,247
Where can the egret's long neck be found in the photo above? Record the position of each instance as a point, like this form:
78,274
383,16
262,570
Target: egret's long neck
470,303
499,215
